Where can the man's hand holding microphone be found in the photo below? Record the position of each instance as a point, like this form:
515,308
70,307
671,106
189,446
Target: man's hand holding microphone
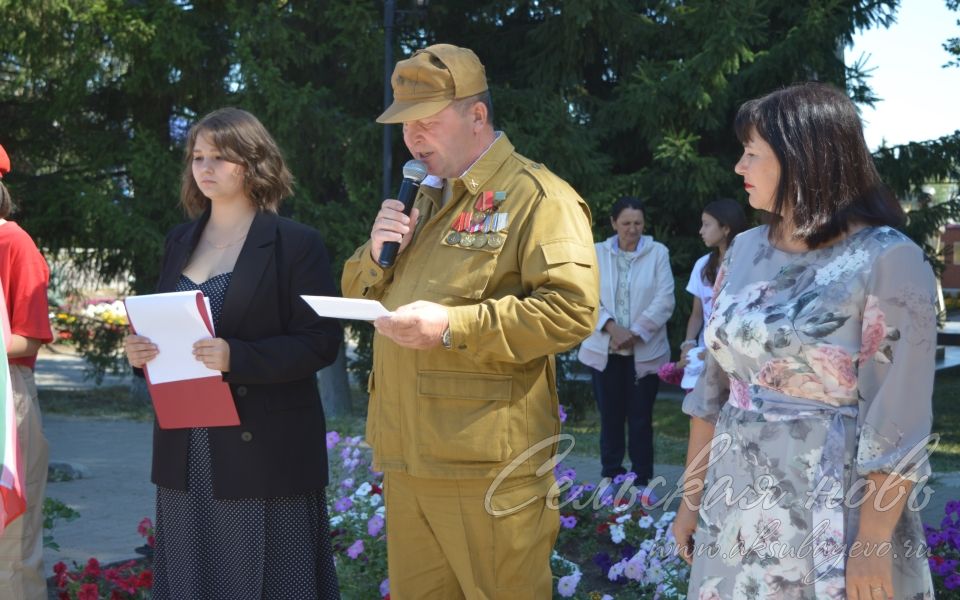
419,325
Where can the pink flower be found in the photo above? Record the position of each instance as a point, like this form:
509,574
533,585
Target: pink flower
740,393
145,527
88,591
93,568
834,366
356,549
873,330
790,377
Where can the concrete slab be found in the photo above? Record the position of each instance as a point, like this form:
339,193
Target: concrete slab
115,495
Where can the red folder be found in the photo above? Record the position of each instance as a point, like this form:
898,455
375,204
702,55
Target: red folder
202,402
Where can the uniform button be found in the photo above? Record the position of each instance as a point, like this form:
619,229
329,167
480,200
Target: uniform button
462,346
242,391
246,436
373,272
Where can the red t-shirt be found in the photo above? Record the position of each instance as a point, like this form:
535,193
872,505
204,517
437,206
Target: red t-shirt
25,276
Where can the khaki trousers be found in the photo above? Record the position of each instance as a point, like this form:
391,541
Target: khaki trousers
443,544
21,544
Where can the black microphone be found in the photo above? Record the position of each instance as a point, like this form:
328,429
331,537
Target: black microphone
413,173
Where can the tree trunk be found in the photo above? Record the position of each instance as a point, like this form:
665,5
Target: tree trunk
335,387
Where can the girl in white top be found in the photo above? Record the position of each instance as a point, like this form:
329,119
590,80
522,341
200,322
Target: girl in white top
721,221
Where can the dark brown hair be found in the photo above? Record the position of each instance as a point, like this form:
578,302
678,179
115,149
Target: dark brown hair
6,202
624,203
241,139
827,177
729,214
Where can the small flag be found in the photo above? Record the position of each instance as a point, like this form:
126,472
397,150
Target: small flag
13,502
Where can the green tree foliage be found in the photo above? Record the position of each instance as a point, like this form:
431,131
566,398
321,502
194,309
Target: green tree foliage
617,96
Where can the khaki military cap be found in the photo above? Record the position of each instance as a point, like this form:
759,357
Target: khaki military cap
430,80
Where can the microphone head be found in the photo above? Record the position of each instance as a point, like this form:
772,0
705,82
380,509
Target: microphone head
415,170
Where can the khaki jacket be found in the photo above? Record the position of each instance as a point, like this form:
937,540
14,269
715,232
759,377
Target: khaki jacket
469,411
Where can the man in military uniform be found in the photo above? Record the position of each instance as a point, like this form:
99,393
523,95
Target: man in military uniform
496,274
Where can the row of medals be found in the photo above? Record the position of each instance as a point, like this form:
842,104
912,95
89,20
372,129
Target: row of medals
487,227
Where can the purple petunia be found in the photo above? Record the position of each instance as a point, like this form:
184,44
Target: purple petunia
343,504
355,549
952,582
333,438
385,587
568,522
563,414
375,525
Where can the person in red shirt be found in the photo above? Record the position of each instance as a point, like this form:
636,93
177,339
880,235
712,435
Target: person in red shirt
24,276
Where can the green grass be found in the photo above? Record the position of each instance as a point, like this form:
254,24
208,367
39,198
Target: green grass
946,422
670,429
108,402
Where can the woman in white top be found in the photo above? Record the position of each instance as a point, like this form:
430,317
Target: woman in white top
721,221
630,341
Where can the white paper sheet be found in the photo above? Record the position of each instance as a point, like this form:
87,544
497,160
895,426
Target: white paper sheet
346,308
172,322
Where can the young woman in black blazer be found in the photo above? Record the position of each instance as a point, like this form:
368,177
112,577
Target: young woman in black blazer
241,511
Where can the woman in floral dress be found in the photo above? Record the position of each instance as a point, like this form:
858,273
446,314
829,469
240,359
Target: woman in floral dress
814,408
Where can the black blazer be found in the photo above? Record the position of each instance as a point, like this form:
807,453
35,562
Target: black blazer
277,344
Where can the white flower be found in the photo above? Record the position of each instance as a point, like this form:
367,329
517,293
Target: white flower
634,569
568,585
617,534
374,499
728,540
762,525
616,570
363,490
645,521
623,518
666,519
381,510
654,574
750,582
708,589
336,520
807,463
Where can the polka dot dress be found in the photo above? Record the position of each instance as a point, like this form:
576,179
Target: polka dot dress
247,549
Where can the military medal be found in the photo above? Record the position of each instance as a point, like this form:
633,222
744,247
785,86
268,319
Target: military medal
466,240
453,238
479,240
494,240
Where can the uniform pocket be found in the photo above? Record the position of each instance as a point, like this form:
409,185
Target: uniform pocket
464,417
462,273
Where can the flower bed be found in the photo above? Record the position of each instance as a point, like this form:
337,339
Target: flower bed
96,330
608,546
130,580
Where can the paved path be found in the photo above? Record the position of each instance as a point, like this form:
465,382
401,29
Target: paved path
112,497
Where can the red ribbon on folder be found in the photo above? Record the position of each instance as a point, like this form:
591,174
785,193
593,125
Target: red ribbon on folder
201,402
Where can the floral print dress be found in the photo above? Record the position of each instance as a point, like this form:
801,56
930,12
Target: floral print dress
819,372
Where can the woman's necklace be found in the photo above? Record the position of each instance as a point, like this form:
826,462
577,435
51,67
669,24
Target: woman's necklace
227,245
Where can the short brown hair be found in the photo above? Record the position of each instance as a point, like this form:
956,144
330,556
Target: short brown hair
242,139
827,175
